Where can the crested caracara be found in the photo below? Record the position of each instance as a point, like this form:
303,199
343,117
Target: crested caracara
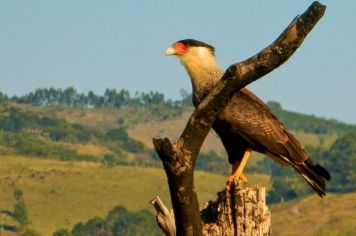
246,123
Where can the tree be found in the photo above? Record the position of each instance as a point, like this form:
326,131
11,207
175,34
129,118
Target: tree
115,215
274,105
69,96
282,191
211,162
61,232
3,97
95,226
186,98
20,209
341,161
179,158
132,224
118,134
109,160
119,222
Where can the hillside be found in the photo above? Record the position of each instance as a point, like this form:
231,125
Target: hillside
29,132
143,126
60,194
333,215
173,128
123,135
65,157
308,123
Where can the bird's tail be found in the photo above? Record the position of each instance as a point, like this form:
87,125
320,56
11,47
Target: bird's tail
314,174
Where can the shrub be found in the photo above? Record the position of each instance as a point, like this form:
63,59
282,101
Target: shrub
117,135
211,162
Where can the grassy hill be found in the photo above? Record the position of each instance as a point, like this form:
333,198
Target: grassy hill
142,126
64,132
69,133
59,194
333,215
26,131
308,123
173,128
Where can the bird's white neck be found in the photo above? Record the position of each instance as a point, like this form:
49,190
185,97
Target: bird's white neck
203,70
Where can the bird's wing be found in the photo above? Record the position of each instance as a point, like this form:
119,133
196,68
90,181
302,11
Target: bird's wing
252,119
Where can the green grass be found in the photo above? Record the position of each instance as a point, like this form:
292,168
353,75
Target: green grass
333,215
61,194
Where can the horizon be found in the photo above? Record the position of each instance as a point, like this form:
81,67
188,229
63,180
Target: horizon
120,45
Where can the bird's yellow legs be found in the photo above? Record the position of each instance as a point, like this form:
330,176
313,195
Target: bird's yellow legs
238,168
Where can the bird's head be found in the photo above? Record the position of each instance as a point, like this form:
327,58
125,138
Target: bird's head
191,51
187,47
197,57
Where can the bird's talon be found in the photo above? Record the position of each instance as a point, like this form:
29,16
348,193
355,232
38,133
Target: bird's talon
231,178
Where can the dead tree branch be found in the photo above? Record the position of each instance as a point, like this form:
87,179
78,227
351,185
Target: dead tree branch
179,158
165,217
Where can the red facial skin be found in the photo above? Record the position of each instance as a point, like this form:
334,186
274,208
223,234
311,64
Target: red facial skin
180,49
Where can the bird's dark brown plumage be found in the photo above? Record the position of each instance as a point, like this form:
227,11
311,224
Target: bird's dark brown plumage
246,122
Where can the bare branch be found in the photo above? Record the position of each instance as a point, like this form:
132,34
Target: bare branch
165,217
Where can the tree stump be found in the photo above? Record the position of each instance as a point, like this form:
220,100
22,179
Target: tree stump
238,211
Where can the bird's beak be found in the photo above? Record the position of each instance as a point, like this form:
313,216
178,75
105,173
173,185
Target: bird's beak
170,51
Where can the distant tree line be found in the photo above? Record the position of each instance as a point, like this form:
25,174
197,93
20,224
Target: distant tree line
162,108
154,102
111,98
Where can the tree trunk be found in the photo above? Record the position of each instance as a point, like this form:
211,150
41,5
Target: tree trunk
240,211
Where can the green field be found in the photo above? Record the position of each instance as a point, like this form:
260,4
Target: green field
61,194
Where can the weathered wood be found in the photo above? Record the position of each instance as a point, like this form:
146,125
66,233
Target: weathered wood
179,158
165,217
239,211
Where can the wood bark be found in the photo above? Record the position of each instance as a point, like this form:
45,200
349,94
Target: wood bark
239,211
179,158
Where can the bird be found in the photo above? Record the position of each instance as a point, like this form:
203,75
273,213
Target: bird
245,124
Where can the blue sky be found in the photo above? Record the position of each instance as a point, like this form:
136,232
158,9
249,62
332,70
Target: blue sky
94,45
